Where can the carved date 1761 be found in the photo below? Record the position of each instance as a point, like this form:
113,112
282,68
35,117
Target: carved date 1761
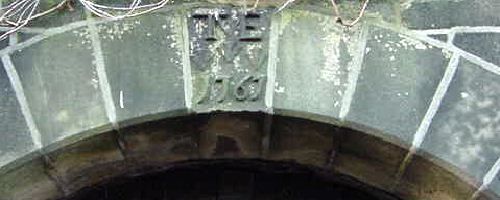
228,49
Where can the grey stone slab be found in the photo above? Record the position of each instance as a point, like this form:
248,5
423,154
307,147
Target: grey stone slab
143,59
396,84
229,54
484,45
464,132
4,43
313,62
22,37
450,13
15,136
495,185
61,85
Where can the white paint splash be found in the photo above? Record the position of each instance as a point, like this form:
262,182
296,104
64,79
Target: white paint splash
121,99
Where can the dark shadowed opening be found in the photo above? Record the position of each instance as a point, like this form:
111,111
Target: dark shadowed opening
233,179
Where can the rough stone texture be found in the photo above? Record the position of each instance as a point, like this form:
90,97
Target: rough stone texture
367,158
164,141
464,130
147,63
63,91
231,136
450,13
145,74
484,45
311,77
397,82
15,136
424,179
305,143
28,181
88,162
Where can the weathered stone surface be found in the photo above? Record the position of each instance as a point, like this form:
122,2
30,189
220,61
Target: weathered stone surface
228,51
15,136
87,162
450,13
61,85
4,43
231,136
164,141
367,157
495,186
304,143
465,130
143,59
425,179
484,45
27,182
397,82
313,62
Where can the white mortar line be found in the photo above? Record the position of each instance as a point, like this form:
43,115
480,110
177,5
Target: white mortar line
354,73
46,34
451,38
460,29
272,61
488,178
423,128
186,65
15,81
444,45
464,54
441,90
432,31
104,85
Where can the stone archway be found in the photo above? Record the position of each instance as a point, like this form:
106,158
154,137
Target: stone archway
362,160
232,179
404,101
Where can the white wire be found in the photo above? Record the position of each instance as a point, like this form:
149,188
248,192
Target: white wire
119,12
19,13
27,10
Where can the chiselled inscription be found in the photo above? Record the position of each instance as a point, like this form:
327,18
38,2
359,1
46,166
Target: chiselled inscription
228,52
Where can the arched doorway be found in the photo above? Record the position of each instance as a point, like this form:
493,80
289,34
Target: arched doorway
233,179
